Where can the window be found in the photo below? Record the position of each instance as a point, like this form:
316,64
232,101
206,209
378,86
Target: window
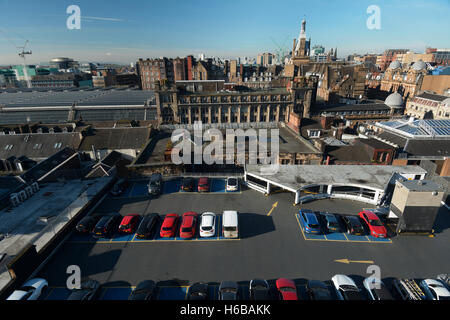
57,145
8,147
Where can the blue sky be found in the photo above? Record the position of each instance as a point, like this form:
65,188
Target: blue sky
123,31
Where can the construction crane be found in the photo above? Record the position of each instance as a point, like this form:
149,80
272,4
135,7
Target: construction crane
281,50
22,53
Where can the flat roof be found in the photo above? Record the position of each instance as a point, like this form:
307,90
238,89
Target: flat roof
296,177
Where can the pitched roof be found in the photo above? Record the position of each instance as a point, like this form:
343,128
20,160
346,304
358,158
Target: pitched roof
115,139
37,145
430,96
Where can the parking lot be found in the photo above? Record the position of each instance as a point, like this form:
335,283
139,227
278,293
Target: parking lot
271,245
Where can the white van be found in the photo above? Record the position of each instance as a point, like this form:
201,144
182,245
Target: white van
230,228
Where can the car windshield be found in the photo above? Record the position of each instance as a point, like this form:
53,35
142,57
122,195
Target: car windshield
376,223
229,228
207,228
186,230
348,288
444,298
167,228
333,225
313,225
232,181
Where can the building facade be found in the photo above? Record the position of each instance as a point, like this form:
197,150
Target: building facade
428,106
152,70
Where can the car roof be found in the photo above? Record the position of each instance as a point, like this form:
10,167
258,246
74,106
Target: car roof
311,217
353,219
438,287
229,218
169,220
188,220
343,280
203,179
128,218
284,282
316,284
371,215
208,219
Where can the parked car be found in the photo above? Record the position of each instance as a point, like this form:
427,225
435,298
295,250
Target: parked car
169,225
155,184
203,185
232,184
374,223
119,187
30,290
435,290
107,225
377,289
129,223
87,224
187,184
317,290
230,224
259,290
145,290
228,290
198,291
407,289
188,224
354,225
310,221
286,289
208,225
346,288
331,222
147,226
88,291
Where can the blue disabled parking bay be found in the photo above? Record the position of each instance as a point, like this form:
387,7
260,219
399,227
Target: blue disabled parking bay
218,185
138,189
338,236
171,186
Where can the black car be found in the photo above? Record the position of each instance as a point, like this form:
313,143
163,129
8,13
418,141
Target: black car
87,224
119,187
354,225
259,290
228,290
88,291
317,290
187,184
198,291
145,290
147,226
107,225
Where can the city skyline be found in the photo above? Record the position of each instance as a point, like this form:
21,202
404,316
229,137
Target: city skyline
123,32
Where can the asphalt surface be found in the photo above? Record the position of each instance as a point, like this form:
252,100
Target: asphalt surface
270,246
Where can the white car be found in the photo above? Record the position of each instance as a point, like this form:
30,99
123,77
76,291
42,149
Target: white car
346,288
208,225
30,290
435,290
232,184
376,289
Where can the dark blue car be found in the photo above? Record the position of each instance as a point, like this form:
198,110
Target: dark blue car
310,221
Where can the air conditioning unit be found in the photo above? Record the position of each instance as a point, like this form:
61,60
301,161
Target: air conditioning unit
29,191
14,199
35,187
23,196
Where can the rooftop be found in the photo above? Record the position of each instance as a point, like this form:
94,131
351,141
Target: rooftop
14,98
115,138
418,128
296,177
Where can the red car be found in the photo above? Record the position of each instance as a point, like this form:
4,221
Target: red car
188,224
287,289
169,225
129,223
373,222
203,185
